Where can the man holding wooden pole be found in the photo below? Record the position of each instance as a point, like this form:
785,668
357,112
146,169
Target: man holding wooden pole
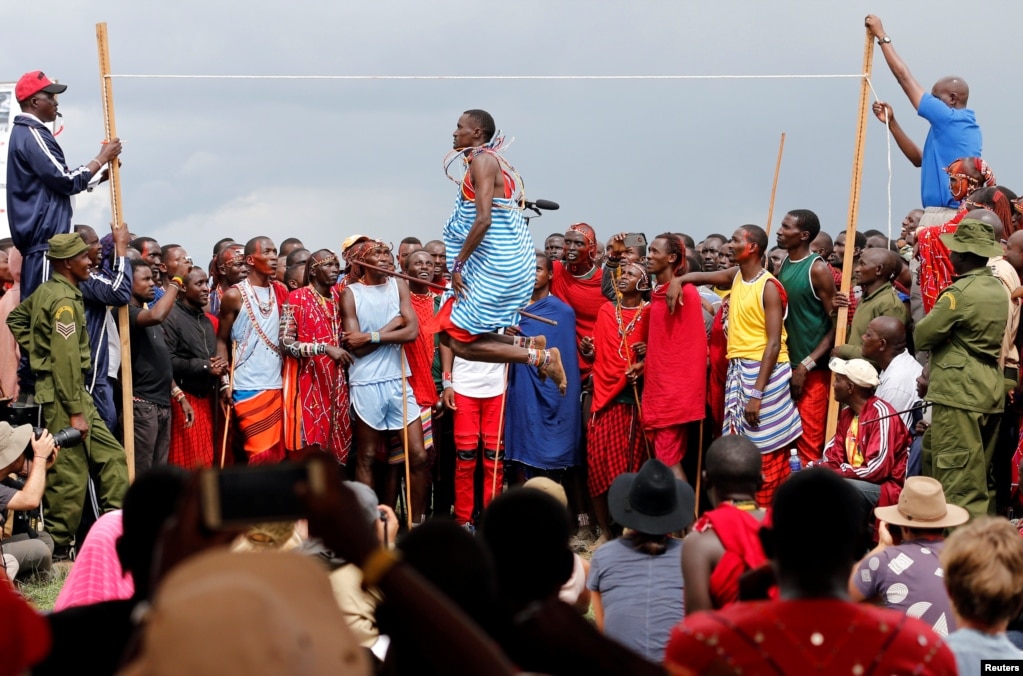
39,182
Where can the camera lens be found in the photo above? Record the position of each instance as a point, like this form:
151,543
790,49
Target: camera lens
67,437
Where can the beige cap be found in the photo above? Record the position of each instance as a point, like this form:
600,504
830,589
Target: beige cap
857,370
254,613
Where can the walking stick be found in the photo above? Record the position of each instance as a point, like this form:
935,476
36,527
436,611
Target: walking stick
404,434
699,470
114,172
854,210
227,407
500,433
774,186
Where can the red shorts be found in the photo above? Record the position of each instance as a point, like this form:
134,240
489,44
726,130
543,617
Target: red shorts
669,443
477,419
442,322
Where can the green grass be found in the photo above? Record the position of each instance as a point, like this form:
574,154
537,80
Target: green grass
41,591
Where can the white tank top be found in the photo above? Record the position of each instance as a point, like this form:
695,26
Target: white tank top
256,331
375,307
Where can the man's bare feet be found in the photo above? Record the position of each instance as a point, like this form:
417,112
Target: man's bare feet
555,370
540,342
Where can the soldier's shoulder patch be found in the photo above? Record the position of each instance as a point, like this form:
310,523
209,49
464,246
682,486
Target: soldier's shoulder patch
64,309
65,329
951,299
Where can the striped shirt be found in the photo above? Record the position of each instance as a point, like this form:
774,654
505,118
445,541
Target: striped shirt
500,273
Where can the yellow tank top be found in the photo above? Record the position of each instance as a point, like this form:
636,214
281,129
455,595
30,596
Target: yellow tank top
747,325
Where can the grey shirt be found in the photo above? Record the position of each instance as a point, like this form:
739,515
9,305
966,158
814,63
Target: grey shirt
641,594
971,646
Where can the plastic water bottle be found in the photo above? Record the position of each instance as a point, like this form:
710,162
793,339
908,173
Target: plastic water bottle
794,464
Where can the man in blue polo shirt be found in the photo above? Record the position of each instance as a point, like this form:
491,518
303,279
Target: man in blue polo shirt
953,134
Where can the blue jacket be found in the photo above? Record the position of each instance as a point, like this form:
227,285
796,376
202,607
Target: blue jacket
39,186
105,288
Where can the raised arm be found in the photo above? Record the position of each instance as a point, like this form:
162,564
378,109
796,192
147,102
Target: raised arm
899,69
911,150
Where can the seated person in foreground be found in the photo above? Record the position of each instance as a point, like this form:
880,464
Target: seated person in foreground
871,443
813,627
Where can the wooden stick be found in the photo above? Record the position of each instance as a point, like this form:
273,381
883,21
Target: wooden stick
114,169
774,186
699,462
500,433
227,407
404,438
854,210
439,287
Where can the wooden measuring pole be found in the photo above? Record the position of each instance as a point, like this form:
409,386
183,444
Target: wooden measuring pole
127,414
841,327
774,186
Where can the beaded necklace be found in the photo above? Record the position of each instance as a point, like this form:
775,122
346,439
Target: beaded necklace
330,314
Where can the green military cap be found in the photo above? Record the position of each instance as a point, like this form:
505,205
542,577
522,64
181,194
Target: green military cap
66,246
973,236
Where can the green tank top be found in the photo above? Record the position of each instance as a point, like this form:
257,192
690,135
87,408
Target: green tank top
805,322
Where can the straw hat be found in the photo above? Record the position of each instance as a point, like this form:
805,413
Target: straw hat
254,613
922,505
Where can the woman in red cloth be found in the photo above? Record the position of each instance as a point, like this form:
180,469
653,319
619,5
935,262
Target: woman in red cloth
675,392
966,177
614,433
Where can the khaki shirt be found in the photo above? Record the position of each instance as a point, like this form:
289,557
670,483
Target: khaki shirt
49,326
1007,275
883,302
964,332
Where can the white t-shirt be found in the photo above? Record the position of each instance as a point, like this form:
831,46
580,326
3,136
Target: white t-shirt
477,379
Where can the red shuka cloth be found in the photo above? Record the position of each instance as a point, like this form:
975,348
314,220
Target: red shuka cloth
675,378
609,347
585,297
738,532
420,352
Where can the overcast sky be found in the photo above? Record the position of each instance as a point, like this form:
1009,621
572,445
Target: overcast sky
323,159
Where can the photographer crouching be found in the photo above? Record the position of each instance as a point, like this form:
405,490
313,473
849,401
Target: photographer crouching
24,454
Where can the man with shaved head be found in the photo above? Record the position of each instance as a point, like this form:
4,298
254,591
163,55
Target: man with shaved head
954,132
874,275
724,542
884,344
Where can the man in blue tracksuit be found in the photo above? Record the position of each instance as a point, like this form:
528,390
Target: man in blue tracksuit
39,183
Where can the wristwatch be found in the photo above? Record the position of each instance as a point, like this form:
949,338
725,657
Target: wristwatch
884,41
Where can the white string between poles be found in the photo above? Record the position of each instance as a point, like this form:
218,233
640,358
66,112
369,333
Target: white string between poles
778,76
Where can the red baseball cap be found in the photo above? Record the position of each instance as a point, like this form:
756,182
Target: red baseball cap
32,83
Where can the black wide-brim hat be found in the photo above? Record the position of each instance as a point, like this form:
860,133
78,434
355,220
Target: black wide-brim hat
652,500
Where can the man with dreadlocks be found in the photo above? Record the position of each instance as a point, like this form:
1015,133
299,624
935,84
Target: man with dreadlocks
758,401
675,391
490,255
378,320
315,391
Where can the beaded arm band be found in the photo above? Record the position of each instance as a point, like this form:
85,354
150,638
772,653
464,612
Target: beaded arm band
456,269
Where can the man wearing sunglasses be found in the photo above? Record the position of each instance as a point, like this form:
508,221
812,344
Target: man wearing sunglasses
39,182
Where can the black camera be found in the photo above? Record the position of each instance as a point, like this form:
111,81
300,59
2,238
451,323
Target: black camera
65,438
